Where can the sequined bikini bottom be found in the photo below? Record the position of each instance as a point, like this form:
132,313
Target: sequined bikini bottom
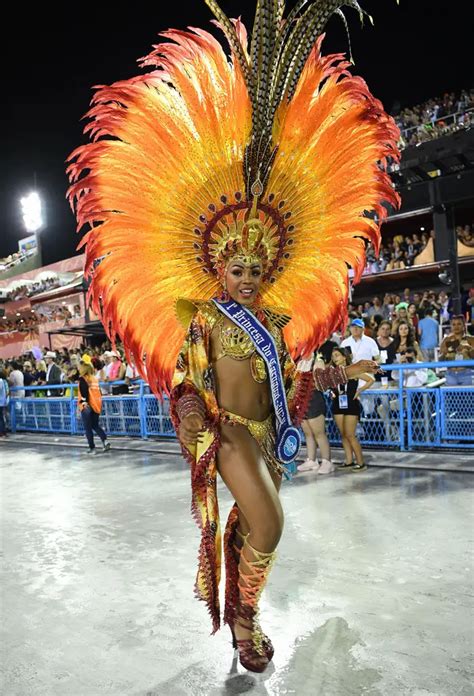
263,432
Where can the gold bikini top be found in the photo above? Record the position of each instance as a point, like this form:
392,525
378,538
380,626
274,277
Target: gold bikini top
237,344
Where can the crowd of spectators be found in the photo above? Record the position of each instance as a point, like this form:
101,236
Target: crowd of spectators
31,321
30,289
55,367
401,251
417,327
8,262
436,117
411,320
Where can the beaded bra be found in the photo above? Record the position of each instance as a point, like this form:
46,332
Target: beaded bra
237,344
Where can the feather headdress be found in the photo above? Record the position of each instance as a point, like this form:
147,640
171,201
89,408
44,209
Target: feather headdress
179,157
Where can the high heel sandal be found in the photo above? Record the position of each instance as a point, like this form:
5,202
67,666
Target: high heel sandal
254,652
232,558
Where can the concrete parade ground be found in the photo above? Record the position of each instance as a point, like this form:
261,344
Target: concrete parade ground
371,593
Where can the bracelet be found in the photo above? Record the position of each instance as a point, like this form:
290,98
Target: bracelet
190,405
329,377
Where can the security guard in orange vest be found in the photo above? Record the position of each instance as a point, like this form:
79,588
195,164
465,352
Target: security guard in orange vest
89,403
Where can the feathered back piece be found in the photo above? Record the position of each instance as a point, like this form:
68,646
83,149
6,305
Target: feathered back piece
279,152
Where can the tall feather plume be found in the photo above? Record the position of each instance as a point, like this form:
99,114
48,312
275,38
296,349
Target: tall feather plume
171,148
278,53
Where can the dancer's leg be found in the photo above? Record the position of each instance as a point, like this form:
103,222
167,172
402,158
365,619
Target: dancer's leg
246,475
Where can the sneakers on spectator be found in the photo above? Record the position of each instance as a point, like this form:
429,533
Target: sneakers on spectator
345,467
308,465
326,467
106,446
359,467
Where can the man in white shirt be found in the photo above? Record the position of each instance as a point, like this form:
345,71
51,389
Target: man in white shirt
362,347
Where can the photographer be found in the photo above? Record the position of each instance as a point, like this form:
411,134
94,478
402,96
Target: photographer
411,378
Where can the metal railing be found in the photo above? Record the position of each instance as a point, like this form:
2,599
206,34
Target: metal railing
393,415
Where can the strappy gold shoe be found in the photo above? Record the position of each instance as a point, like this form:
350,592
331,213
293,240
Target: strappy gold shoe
256,652
232,558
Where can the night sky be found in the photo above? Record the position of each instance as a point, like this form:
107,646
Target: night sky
414,52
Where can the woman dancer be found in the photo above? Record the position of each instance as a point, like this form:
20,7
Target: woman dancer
234,182
346,410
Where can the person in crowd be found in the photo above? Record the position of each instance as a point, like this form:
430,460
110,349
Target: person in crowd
433,300
413,316
428,330
107,361
387,306
314,428
417,377
458,345
398,259
89,404
71,368
362,347
405,338
346,410
54,374
99,367
131,375
443,301
373,328
116,372
377,308
28,376
385,343
40,372
4,402
417,299
16,379
401,314
410,250
417,244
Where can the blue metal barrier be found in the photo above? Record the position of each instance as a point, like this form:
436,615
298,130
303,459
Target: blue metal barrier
394,416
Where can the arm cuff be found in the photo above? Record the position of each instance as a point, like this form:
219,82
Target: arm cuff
190,405
330,377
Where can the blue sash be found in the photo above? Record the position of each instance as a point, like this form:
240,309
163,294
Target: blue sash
288,439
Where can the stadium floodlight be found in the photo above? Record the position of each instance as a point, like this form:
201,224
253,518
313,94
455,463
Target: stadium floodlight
31,209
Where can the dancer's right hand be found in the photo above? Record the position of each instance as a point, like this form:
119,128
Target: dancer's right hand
190,429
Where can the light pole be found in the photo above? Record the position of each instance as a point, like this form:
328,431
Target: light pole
32,212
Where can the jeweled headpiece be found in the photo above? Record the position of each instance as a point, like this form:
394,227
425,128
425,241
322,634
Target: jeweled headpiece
276,154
